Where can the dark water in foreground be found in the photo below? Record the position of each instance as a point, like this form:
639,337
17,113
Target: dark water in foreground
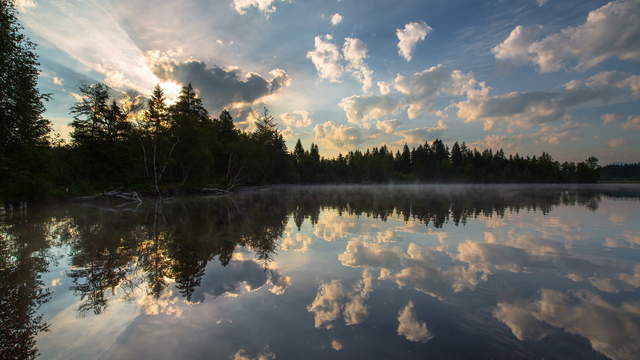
331,272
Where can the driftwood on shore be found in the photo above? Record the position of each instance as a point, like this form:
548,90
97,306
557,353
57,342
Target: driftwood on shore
113,195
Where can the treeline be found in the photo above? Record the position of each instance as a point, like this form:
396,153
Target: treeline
158,147
621,172
437,162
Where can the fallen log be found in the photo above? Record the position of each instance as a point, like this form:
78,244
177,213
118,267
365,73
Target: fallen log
114,194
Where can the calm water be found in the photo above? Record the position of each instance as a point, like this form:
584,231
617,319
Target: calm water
331,272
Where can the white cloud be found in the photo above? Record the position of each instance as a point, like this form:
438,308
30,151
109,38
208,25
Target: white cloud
541,3
578,313
296,119
387,126
24,5
522,109
384,87
265,6
410,327
336,19
336,345
422,88
57,81
409,36
337,135
326,58
612,31
326,305
419,135
355,51
360,109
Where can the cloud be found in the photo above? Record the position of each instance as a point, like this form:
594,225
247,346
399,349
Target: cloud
336,19
24,5
611,31
409,36
579,313
523,108
100,44
360,109
326,58
338,135
387,126
265,6
296,119
615,143
220,87
240,277
359,253
410,327
57,81
331,300
633,123
384,87
541,3
336,345
355,51
419,135
422,88
609,118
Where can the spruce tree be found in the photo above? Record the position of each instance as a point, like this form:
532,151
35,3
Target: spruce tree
24,132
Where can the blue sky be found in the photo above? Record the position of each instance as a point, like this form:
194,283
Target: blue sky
525,75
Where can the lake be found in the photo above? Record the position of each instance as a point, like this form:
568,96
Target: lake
340,272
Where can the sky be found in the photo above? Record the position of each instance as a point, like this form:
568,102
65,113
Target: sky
561,76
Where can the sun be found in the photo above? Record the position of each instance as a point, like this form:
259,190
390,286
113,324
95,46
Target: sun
171,91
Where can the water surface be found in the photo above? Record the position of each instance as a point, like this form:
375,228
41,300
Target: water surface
438,272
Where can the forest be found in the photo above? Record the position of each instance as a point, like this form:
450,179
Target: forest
129,142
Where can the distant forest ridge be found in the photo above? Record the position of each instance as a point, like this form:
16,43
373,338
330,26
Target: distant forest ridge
147,145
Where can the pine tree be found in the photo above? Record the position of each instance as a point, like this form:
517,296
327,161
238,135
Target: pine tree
24,132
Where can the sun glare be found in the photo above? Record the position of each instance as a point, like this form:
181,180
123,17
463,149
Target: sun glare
171,91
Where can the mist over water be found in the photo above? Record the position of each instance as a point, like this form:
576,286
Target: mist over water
406,271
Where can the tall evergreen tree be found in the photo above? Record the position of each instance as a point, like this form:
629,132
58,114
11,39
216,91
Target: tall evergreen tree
24,132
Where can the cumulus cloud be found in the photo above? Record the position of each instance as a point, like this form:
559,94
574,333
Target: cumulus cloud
326,306
541,3
422,88
265,6
336,19
419,135
332,300
522,108
326,58
410,327
611,31
361,109
387,126
409,36
337,135
219,87
577,313
296,119
355,51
